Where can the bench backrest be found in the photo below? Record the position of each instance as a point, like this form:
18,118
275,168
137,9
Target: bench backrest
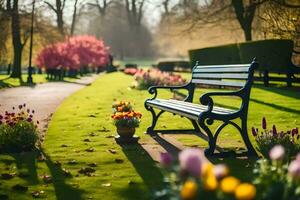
238,76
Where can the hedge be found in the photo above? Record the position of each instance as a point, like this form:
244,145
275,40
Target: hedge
272,55
170,66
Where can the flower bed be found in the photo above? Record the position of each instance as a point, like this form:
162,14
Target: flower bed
196,178
145,79
18,131
267,139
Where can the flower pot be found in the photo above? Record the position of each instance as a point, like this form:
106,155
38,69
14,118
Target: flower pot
127,132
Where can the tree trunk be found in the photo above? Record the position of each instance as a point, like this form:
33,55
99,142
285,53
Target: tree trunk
16,39
59,14
248,32
74,18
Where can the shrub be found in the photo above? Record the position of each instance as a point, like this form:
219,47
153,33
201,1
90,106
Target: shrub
76,52
146,79
272,55
131,71
18,132
267,139
226,54
170,66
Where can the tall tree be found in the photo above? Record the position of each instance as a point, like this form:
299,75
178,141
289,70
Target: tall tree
16,38
244,11
58,8
102,6
74,17
134,9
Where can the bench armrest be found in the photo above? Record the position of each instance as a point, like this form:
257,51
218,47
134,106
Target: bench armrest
153,89
206,99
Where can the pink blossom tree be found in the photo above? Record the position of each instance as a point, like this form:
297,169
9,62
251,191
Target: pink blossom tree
73,54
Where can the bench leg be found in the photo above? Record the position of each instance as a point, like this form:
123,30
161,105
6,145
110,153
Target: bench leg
211,139
150,130
244,133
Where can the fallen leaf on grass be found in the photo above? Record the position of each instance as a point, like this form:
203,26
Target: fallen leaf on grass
106,184
41,158
92,165
86,171
118,160
87,140
90,150
57,163
66,172
104,130
47,179
37,194
112,151
6,176
19,187
64,145
72,162
110,136
92,134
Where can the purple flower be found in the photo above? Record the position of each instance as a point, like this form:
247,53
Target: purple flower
274,130
190,161
294,169
294,131
166,159
20,107
277,153
29,120
1,117
254,132
264,123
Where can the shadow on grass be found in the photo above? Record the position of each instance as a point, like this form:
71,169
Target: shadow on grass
27,170
147,169
4,83
275,106
285,91
242,168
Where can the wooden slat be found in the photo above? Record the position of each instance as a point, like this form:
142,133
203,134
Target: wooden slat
221,70
198,106
175,111
220,83
222,66
217,75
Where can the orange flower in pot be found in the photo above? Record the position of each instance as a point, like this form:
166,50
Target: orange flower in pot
126,122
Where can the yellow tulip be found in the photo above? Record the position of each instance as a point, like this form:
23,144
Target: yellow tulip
207,169
189,190
210,183
229,184
245,191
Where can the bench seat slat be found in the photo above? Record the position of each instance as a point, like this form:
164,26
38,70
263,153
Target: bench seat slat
221,69
201,107
219,83
218,75
221,66
185,108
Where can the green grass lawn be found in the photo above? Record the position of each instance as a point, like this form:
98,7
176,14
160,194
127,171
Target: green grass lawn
83,123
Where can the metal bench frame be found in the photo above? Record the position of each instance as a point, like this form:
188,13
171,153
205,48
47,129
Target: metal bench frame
207,117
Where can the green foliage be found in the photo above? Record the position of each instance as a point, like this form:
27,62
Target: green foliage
225,54
272,55
265,142
170,66
273,182
21,136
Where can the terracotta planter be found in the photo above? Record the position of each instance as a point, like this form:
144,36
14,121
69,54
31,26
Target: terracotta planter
127,132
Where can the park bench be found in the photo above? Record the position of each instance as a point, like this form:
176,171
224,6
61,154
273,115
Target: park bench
238,77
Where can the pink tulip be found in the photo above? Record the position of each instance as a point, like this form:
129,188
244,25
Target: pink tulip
277,153
294,168
166,159
190,161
